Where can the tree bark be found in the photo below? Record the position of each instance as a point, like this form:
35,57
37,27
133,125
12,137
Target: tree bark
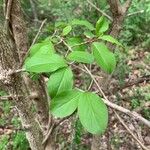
13,46
14,85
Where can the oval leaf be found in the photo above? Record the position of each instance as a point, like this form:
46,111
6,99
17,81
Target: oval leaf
42,48
80,56
65,103
59,81
76,43
66,30
93,113
83,23
110,39
44,63
102,25
104,58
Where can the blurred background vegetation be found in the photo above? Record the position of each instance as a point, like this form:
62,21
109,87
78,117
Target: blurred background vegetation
135,36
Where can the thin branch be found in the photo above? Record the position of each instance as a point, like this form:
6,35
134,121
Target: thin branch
34,40
135,13
117,107
136,82
130,132
102,12
110,104
34,11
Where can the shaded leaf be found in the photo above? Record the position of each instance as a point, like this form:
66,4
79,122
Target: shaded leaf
75,42
102,25
66,30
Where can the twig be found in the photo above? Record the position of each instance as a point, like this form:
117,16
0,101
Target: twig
34,11
130,132
136,82
34,40
135,13
110,104
102,12
117,107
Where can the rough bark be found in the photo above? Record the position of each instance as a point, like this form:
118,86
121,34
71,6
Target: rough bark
14,85
13,46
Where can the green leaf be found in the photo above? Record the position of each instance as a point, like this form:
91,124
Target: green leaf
65,103
75,42
80,56
83,23
60,24
42,48
89,34
93,113
102,25
44,63
104,58
59,81
66,30
110,39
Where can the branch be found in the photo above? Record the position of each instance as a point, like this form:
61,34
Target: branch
110,104
102,12
117,107
136,82
34,40
130,132
135,13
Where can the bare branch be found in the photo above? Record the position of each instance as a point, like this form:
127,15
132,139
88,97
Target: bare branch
102,12
130,132
34,40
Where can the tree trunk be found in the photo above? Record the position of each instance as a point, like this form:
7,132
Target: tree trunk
13,46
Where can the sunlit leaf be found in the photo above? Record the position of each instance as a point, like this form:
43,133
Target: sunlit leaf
60,81
65,103
93,113
104,58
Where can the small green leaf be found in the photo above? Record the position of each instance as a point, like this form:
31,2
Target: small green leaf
76,43
104,58
93,113
110,39
59,81
44,63
60,24
65,103
83,23
66,30
80,56
102,25
89,34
